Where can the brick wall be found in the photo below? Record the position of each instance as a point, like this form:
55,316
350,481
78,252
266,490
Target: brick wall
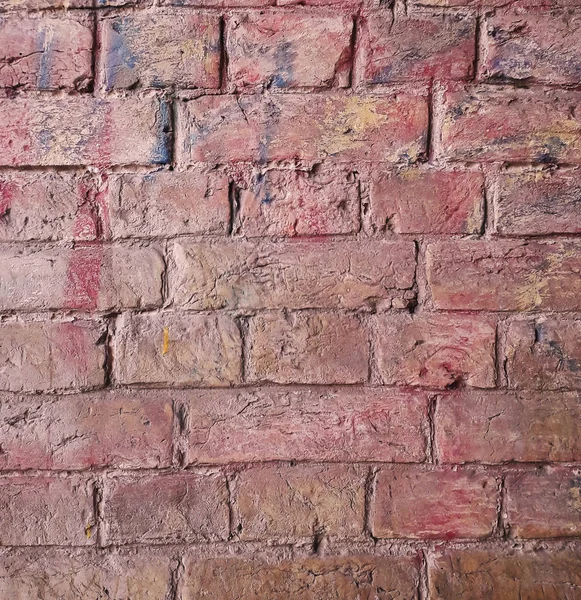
290,300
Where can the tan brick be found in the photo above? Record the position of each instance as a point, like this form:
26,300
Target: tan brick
296,502
178,348
307,348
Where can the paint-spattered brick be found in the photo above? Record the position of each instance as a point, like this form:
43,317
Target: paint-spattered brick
162,508
119,429
307,348
533,45
283,202
346,577
176,48
279,49
46,53
69,574
38,356
311,274
435,350
73,130
544,353
218,129
423,45
538,202
413,503
168,203
178,348
88,277
508,426
541,574
425,201
543,504
305,424
298,502
507,124
505,275
46,510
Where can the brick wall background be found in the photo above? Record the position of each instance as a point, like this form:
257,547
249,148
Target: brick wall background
290,300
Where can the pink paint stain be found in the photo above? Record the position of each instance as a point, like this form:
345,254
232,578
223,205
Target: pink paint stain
6,198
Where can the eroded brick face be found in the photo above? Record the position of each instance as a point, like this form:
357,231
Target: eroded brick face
290,299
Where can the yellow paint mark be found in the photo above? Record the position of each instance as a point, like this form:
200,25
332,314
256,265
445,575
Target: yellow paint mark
165,347
88,530
575,497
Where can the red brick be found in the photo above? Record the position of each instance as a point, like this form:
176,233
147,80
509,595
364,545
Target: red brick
425,201
505,275
544,354
36,511
497,123
169,507
532,45
307,348
177,348
170,48
45,355
538,203
546,503
278,49
33,5
299,502
283,202
359,577
306,424
218,129
422,45
118,429
311,274
435,350
412,503
168,203
86,277
68,574
33,131
498,574
505,427
46,53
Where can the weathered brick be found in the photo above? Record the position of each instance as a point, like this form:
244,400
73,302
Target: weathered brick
38,356
532,45
544,353
173,48
544,504
542,574
170,507
425,201
301,501
216,129
422,45
67,574
278,49
505,275
498,123
312,274
507,426
34,5
305,424
412,503
320,201
87,277
177,348
436,350
34,131
168,203
347,577
307,348
45,511
46,53
119,429
538,203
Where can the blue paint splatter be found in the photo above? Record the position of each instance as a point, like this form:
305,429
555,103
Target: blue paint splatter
283,59
119,55
45,48
162,151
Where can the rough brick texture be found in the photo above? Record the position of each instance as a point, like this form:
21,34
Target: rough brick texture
290,299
